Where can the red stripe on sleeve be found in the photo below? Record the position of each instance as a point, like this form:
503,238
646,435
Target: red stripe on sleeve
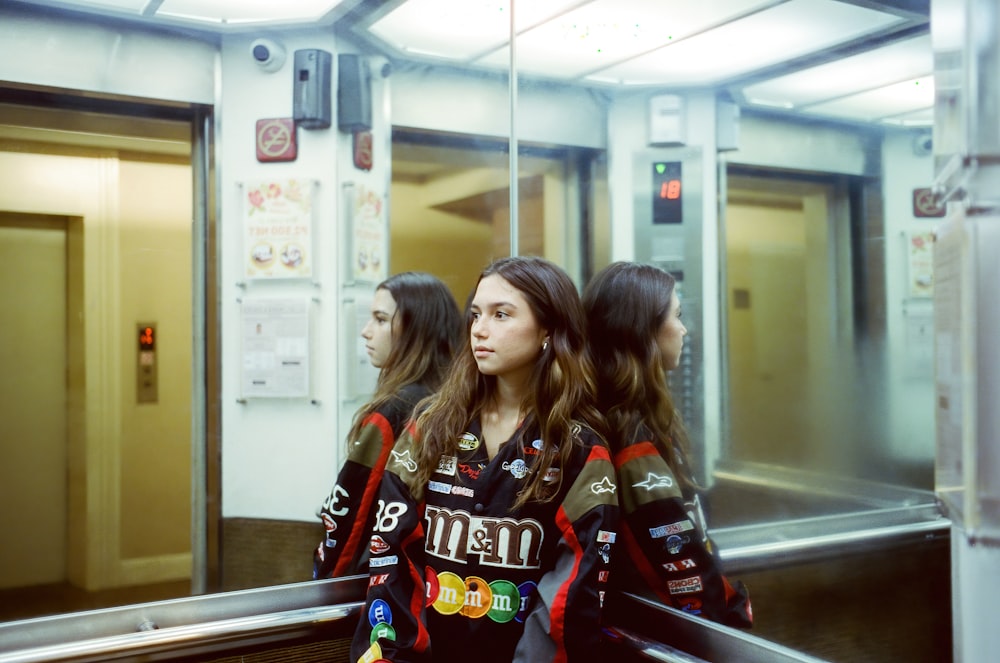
557,615
633,451
419,597
371,491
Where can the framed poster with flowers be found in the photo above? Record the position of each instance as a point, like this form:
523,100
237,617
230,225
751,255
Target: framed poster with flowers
277,229
368,244
920,254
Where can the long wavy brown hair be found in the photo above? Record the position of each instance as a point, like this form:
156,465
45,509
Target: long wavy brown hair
426,334
562,387
626,304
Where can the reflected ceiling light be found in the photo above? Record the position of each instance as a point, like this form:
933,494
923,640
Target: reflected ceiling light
460,28
781,33
245,11
770,103
214,13
605,32
887,101
920,118
896,62
133,7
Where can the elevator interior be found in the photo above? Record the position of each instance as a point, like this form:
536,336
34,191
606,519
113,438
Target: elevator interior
813,490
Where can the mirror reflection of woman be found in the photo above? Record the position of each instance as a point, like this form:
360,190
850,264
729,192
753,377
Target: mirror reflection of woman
413,332
636,335
497,510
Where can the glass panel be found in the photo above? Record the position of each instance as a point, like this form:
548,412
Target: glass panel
802,256
97,218
449,205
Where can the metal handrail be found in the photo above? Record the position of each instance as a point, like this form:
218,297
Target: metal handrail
648,649
191,624
176,638
767,545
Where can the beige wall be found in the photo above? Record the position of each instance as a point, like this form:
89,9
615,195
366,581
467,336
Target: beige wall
453,247
155,277
454,225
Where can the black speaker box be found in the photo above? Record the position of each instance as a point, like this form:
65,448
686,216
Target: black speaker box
354,93
312,89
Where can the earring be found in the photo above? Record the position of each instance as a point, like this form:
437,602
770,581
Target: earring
545,345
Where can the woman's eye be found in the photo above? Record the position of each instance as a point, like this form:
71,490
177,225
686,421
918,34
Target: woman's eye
502,314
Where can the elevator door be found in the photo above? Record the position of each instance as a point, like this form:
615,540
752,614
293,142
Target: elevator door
791,374
32,400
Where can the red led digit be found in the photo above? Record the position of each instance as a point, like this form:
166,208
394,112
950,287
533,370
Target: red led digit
673,189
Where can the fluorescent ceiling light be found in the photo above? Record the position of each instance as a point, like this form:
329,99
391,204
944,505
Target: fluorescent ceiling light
888,101
133,7
784,32
605,32
246,11
461,29
920,118
872,69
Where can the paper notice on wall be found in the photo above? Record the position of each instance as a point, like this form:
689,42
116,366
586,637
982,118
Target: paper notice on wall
275,347
277,229
920,252
369,243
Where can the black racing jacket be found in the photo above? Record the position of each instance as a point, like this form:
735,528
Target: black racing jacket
344,551
456,574
663,529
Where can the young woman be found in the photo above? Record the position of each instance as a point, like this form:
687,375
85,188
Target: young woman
636,335
497,510
412,336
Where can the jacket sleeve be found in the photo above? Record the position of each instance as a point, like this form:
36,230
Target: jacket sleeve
393,626
565,622
667,541
347,512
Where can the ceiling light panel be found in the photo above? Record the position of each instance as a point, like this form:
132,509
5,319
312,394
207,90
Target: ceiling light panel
246,11
888,101
781,33
900,61
919,118
460,29
605,32
133,7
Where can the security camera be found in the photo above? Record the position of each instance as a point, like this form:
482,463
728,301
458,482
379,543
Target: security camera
269,55
923,144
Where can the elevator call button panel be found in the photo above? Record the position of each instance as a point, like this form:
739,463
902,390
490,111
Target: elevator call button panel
147,382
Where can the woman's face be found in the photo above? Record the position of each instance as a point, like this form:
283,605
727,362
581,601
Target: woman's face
670,337
378,331
506,337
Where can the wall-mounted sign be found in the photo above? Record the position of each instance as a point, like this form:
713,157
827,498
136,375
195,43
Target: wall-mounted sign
275,362
363,150
369,246
276,140
924,205
277,229
920,261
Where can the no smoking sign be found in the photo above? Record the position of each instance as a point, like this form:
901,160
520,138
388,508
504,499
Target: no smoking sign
276,140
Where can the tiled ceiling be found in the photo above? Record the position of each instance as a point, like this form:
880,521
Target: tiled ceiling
853,60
